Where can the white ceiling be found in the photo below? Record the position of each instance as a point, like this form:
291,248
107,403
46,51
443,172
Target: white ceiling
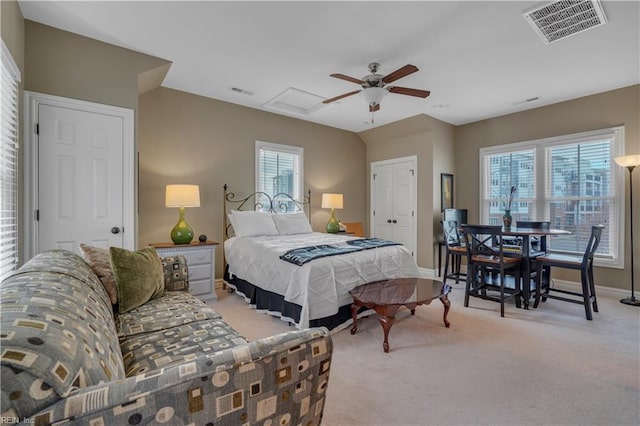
479,59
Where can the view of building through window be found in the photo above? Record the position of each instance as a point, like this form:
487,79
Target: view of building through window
572,184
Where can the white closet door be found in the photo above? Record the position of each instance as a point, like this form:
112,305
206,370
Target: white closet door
394,200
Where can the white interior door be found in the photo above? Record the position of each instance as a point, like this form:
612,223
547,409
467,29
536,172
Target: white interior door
394,200
382,203
403,205
80,156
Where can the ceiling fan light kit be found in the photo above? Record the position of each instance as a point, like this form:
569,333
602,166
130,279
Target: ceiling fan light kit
374,86
373,95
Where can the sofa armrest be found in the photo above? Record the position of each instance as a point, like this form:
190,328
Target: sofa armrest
176,273
282,378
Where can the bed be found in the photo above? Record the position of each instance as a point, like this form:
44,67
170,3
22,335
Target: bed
266,243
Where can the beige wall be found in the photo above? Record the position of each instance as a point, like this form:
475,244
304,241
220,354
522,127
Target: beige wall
184,138
432,142
12,28
65,64
613,108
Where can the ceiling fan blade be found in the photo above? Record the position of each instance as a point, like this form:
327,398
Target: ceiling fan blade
411,92
374,108
399,73
347,78
328,101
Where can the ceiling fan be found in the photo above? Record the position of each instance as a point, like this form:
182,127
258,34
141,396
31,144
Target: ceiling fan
374,86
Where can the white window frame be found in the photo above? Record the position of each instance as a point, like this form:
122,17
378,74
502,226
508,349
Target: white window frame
540,175
9,123
285,149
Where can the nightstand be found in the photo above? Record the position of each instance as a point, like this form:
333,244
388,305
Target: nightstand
201,263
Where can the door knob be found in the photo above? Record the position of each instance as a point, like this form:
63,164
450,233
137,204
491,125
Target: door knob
388,220
115,230
394,221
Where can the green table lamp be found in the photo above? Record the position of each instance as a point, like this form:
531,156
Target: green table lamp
333,202
182,196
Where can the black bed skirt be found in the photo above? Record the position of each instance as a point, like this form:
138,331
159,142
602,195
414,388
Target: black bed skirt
272,302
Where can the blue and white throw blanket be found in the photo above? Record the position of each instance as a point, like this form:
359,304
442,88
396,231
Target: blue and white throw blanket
302,255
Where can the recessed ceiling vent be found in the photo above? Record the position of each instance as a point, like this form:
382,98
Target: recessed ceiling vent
564,18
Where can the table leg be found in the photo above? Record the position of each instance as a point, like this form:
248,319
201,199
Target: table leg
447,304
386,323
439,257
354,315
526,271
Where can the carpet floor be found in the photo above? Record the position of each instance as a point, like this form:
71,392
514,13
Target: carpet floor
545,366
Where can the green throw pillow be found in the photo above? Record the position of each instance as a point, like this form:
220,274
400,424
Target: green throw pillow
139,276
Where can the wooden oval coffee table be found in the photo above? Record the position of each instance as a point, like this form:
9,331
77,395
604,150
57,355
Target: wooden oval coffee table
386,297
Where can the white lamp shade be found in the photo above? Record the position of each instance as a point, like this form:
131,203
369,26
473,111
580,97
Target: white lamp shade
628,160
331,201
182,196
373,95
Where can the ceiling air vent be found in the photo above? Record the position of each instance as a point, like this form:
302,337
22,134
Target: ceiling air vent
562,19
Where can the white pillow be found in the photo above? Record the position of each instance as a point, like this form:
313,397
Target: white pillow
292,223
252,224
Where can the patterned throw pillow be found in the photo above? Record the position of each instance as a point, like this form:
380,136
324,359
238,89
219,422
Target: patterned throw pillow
98,259
139,276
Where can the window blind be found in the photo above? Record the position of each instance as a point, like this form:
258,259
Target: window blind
580,193
278,169
10,79
571,181
503,171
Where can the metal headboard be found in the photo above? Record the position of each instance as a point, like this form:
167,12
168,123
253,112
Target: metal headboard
261,201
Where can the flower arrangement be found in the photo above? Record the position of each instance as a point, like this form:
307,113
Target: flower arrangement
512,195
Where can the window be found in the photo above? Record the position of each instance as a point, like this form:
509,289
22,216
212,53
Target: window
572,181
279,169
10,78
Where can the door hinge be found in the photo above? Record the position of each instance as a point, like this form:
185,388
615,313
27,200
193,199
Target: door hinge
374,176
374,212
37,128
412,214
411,170
37,215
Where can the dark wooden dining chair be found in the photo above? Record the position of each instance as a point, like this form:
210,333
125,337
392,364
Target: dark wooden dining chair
454,251
488,269
584,263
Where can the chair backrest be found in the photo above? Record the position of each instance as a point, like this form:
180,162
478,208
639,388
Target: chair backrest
592,245
483,240
532,225
451,233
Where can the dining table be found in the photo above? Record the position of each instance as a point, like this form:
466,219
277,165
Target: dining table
528,244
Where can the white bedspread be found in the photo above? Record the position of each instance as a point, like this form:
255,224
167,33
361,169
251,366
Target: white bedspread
321,286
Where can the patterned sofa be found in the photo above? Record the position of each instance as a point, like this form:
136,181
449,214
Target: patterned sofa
66,358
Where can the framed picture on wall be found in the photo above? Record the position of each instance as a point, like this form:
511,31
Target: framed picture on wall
446,191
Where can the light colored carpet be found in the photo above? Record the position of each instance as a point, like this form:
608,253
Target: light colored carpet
548,366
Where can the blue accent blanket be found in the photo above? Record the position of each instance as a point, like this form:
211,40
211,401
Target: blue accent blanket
302,255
